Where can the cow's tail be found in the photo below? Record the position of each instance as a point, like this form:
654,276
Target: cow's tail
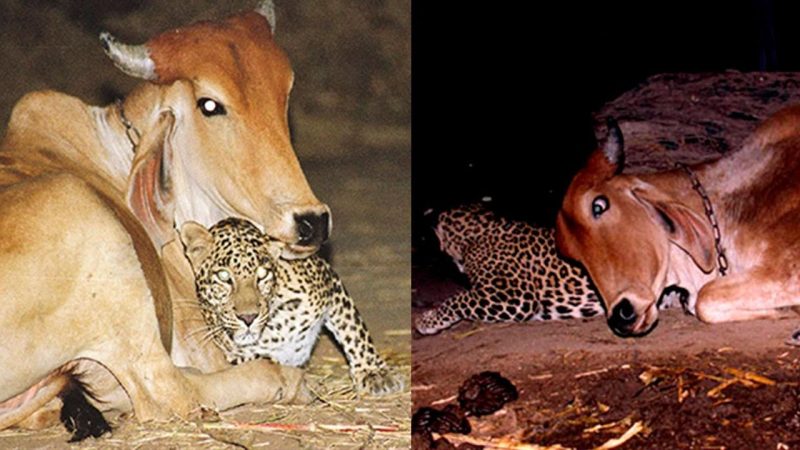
79,416
16,409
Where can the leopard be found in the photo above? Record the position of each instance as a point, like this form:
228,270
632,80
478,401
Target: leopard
257,305
513,270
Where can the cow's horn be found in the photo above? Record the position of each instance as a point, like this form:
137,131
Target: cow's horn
132,59
613,147
267,9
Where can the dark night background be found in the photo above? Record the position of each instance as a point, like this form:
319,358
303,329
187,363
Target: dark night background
503,93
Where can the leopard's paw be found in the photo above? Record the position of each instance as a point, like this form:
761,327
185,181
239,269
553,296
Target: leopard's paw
429,322
382,381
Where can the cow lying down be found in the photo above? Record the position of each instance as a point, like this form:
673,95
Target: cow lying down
92,275
725,233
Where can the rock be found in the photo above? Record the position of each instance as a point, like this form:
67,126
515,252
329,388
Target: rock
693,118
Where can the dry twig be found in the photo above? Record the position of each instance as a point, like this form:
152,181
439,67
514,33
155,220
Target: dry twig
312,427
635,429
496,443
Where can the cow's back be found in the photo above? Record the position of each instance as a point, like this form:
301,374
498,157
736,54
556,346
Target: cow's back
51,132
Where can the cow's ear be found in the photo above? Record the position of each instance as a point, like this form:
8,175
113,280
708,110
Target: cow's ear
608,159
197,242
685,228
614,146
150,195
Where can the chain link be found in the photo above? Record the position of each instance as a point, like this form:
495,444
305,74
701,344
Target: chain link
133,134
722,260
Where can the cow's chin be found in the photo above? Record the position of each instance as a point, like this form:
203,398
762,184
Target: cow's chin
294,251
648,323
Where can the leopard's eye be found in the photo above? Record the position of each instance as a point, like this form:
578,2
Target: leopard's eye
262,272
224,275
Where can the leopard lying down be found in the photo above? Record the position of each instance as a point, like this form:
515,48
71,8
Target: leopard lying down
514,272
257,305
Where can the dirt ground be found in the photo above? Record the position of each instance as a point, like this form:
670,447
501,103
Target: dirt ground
350,114
688,384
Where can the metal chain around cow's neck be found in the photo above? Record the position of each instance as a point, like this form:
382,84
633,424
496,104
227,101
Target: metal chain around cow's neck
130,130
722,260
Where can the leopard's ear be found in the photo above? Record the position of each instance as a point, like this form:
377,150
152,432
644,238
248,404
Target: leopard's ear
197,243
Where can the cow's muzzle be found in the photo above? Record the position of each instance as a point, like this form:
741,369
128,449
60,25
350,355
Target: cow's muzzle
624,318
304,231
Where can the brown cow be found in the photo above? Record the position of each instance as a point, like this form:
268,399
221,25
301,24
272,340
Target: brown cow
90,196
725,232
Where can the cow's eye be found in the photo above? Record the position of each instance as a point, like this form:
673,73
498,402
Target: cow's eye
210,107
599,206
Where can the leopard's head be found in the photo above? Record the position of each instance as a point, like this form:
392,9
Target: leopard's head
234,266
456,227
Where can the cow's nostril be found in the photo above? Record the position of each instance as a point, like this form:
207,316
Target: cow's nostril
312,229
305,231
623,316
625,310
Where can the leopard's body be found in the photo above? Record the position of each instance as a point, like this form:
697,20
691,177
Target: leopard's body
513,270
257,305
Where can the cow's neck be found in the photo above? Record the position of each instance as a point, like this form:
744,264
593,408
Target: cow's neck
116,154
141,111
682,270
51,132
724,181
122,124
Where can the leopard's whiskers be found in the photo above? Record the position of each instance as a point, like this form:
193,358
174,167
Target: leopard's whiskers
209,330
208,337
187,303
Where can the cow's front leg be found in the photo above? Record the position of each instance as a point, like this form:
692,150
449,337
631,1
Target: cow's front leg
752,295
258,381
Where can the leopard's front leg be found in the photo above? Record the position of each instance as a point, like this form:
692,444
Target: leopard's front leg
369,371
450,312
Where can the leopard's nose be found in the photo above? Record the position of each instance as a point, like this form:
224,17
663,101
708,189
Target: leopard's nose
247,319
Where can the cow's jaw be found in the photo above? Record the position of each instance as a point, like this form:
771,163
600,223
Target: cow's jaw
683,272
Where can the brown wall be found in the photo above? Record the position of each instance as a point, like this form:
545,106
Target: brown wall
352,59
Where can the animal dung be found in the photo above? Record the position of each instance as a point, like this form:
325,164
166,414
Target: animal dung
431,420
485,393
